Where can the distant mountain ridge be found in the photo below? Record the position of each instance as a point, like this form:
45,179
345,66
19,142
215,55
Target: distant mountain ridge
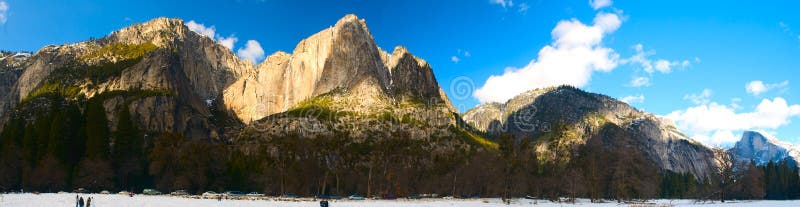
576,117
762,148
342,57
152,91
337,107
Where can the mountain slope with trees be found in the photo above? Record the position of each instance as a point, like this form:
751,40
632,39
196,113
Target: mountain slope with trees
156,105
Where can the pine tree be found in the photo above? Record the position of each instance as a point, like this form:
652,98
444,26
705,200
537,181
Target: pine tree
127,153
11,154
752,183
97,132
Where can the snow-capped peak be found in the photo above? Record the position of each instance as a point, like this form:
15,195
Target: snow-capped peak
16,56
762,147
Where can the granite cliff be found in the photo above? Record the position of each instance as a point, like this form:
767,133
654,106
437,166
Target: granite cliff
561,119
762,148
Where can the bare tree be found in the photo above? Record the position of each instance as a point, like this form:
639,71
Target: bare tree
573,183
725,165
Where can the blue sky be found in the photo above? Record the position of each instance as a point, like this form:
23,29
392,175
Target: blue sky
702,55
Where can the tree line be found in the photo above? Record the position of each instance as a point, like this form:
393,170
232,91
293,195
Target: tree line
55,145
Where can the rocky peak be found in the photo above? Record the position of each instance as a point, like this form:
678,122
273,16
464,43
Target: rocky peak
341,58
354,58
762,148
552,105
351,20
158,55
399,54
160,31
569,117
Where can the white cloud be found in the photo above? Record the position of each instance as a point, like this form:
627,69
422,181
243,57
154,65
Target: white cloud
758,87
509,5
640,81
570,59
735,103
523,7
503,3
649,66
228,42
211,32
784,26
787,29
755,87
252,51
702,98
641,58
460,55
714,123
663,66
598,4
201,29
633,99
3,12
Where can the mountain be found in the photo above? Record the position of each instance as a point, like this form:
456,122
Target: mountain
762,148
149,93
177,69
342,58
339,76
202,73
155,105
10,70
560,120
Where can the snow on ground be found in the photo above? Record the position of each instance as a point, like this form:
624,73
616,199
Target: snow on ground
68,199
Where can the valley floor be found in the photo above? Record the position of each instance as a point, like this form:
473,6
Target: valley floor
68,200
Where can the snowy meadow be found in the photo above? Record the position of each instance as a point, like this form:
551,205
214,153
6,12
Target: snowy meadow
101,200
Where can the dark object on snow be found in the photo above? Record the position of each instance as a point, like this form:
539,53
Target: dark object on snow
80,202
89,202
323,203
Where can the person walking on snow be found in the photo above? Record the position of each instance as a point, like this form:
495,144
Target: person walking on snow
89,202
80,202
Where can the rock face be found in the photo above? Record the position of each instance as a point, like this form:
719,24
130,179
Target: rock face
171,79
338,81
207,66
574,117
11,67
186,69
762,148
342,57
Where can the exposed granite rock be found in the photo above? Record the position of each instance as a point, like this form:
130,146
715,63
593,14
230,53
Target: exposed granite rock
259,94
578,116
196,71
762,148
191,68
670,149
39,66
342,57
486,118
11,68
208,66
